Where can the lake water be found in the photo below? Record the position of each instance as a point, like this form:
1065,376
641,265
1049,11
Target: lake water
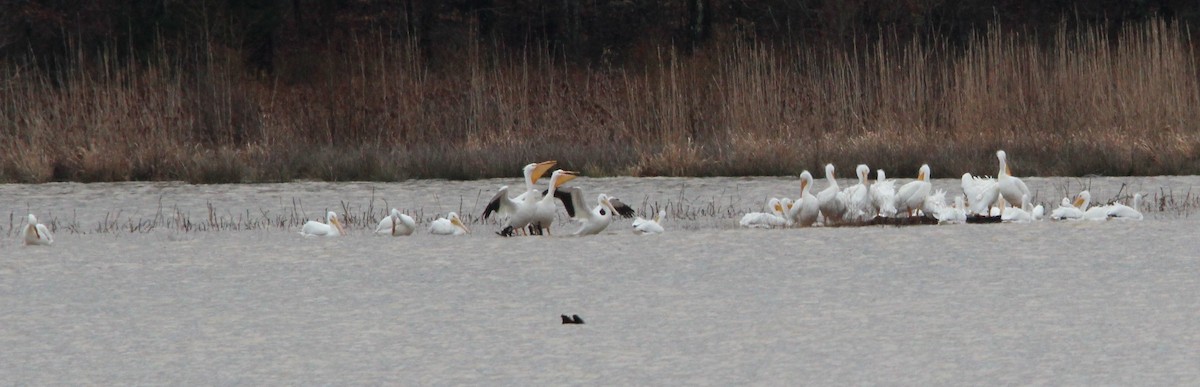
248,301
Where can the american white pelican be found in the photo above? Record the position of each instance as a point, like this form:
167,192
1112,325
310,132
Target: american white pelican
787,204
883,194
519,210
911,196
595,219
450,225
331,228
546,209
1072,210
934,202
1123,212
859,206
649,226
36,233
981,193
1011,188
775,217
396,224
955,214
832,200
805,213
1023,214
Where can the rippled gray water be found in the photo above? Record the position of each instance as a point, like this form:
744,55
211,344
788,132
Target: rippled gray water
705,303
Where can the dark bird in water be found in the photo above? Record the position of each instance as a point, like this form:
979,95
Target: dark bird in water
577,319
574,319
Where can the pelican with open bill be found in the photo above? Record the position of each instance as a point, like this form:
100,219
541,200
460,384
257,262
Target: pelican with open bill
521,209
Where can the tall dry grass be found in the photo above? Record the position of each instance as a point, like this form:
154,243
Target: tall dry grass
371,109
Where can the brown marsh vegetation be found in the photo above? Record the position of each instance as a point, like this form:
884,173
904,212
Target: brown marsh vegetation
1084,101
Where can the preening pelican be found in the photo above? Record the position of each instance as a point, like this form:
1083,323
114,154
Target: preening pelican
331,228
981,193
396,224
598,218
883,194
649,226
805,213
450,225
934,202
36,233
546,209
1072,210
521,209
859,206
911,196
1123,212
956,214
774,218
1011,188
832,200
1023,214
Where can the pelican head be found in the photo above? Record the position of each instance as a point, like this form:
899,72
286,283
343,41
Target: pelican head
829,172
879,175
1003,157
332,219
1082,200
923,174
33,225
534,171
863,173
562,176
457,222
776,205
805,182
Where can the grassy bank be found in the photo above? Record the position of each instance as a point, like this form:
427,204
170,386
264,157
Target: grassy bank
1083,102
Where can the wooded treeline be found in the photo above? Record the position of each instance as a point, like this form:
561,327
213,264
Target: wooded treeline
272,34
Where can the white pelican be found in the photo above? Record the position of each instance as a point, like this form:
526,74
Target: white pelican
546,209
396,224
1072,210
331,228
832,200
774,218
787,204
1123,212
955,214
36,233
1023,214
911,196
805,213
595,219
519,210
859,206
981,193
649,226
1011,188
450,225
934,202
883,194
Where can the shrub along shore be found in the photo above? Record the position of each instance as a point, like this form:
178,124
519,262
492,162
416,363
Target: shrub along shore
1079,102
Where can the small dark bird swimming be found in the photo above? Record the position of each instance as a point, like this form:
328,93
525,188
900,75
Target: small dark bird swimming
574,319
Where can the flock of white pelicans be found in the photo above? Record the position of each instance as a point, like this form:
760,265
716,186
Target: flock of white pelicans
532,211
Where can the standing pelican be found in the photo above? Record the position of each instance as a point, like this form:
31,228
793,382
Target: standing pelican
1011,188
832,200
981,193
331,228
649,226
546,209
805,213
859,206
911,196
883,194
450,225
396,224
520,209
1123,212
36,233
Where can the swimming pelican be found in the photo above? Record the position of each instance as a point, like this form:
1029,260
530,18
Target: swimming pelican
1023,214
649,226
1038,212
450,225
832,200
36,233
955,214
331,228
396,224
598,218
1123,212
1011,188
805,213
883,194
911,196
981,193
774,218
546,209
1072,209
859,206
520,209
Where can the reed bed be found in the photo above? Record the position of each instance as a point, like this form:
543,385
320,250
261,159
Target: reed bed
1085,102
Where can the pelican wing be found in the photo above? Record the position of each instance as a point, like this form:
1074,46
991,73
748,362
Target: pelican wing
500,202
622,209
